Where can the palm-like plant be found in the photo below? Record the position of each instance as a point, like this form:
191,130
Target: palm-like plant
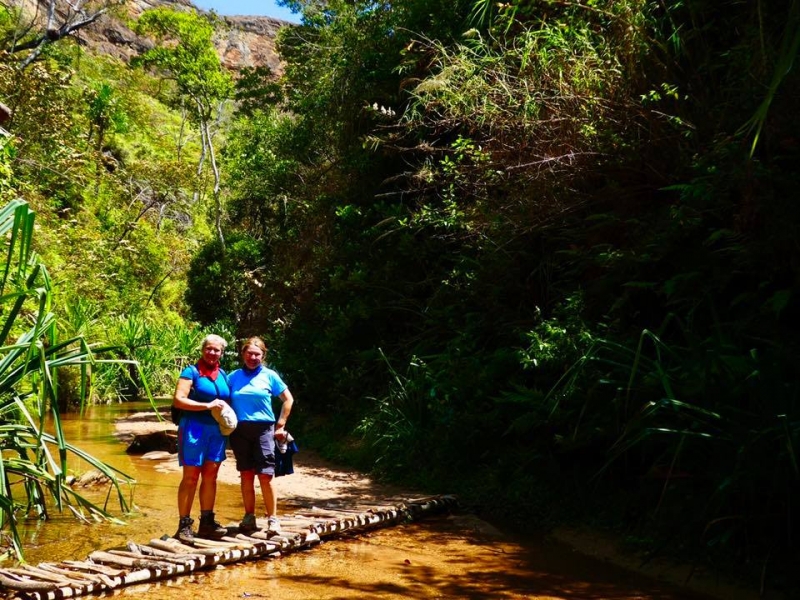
33,463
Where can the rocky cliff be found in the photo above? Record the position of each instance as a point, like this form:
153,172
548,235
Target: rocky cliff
241,41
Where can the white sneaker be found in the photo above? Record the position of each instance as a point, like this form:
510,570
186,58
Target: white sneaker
273,525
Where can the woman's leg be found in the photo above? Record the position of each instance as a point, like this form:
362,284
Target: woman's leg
208,485
268,492
186,490
248,490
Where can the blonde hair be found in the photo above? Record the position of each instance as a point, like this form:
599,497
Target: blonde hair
213,338
255,341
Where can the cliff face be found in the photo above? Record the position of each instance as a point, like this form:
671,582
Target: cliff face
249,42
241,41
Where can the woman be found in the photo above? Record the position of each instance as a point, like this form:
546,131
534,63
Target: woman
253,443
202,390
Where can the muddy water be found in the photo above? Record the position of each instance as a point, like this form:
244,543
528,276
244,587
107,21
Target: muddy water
442,557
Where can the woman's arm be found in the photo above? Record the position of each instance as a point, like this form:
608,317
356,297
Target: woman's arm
181,398
286,409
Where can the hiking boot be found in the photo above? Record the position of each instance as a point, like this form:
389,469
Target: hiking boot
273,525
209,528
248,524
185,533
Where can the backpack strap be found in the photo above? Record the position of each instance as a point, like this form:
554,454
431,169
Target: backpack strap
195,377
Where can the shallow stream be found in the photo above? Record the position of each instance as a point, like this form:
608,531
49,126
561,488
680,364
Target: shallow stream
457,556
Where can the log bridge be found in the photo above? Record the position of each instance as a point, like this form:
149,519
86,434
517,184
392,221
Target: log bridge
166,558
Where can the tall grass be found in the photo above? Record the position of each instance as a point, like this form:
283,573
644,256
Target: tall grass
34,461
398,419
151,354
700,422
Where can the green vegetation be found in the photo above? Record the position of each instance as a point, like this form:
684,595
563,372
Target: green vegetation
34,355
110,166
110,169
524,252
536,251
186,55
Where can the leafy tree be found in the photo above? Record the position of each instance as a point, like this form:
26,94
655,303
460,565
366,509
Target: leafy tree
38,98
186,56
256,88
105,113
115,211
223,285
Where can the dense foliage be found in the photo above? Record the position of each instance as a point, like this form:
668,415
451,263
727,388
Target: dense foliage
535,251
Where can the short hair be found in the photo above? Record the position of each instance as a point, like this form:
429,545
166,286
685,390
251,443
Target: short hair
255,341
213,338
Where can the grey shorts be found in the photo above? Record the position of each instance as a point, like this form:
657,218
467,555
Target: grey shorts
253,445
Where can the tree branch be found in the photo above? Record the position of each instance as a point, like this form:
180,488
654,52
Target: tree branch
75,20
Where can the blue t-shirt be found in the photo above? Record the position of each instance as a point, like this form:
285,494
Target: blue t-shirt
252,392
205,390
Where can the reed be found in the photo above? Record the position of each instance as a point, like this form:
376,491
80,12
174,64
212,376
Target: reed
35,457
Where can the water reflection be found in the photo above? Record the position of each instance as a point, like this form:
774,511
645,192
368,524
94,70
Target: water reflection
443,557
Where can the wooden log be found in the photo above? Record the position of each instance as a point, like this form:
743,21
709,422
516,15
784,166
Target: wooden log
102,557
263,544
203,543
41,574
295,539
65,578
222,556
294,521
302,519
284,542
175,559
109,577
238,542
94,568
170,548
165,555
19,583
145,575
178,548
73,574
311,538
176,543
149,562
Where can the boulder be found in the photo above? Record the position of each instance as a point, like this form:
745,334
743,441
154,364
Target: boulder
163,441
90,478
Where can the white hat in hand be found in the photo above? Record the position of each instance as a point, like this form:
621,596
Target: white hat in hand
226,417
